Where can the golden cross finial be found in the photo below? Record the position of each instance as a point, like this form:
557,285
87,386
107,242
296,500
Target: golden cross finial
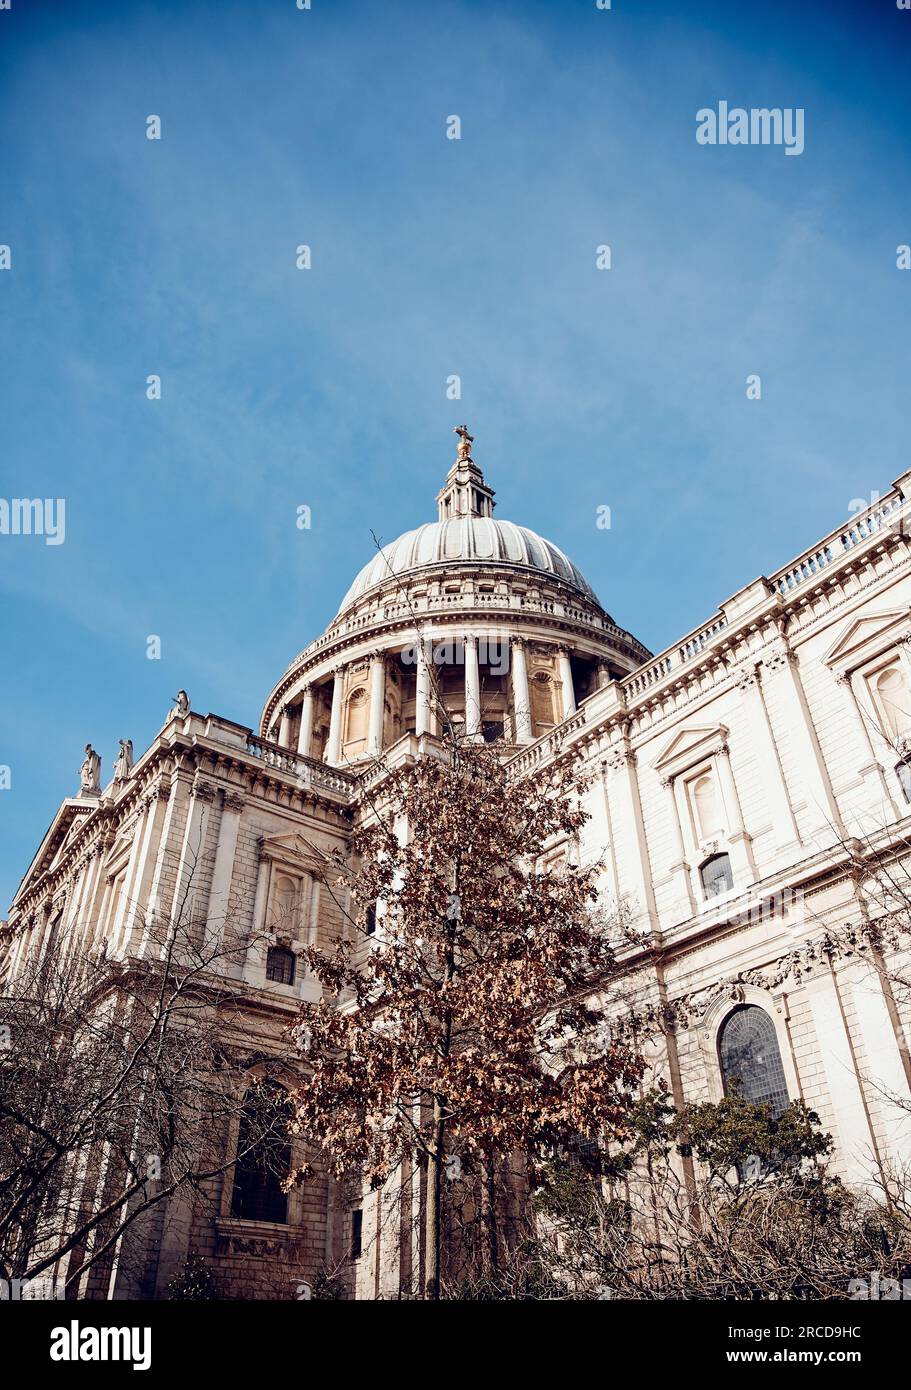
465,441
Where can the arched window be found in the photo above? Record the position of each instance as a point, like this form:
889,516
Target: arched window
750,1057
903,773
280,963
263,1155
705,801
892,690
716,875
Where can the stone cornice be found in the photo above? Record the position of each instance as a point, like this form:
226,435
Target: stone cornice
204,763
641,708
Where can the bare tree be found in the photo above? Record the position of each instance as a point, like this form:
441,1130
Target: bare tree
468,1030
766,1218
120,1083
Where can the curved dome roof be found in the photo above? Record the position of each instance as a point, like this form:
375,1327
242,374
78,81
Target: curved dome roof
468,538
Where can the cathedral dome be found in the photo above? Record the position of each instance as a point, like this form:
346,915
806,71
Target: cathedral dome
509,629
465,534
464,539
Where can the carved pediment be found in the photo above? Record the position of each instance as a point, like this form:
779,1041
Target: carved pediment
861,638
688,746
293,850
63,828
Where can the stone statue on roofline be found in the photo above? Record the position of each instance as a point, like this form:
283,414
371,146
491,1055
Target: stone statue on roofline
181,703
90,773
124,762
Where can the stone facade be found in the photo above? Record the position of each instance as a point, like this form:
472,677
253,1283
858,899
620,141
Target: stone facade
733,776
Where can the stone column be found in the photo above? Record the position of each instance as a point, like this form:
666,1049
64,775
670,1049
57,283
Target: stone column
157,801
125,908
824,813
680,867
423,719
601,813
334,744
520,698
603,673
222,873
100,907
85,885
313,917
854,1131
284,728
377,703
738,839
567,692
629,825
305,737
191,853
254,969
173,798
767,761
472,688
872,770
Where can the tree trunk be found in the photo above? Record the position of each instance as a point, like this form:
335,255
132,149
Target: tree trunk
489,1207
433,1214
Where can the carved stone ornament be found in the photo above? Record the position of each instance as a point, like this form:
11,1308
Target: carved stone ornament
779,659
747,677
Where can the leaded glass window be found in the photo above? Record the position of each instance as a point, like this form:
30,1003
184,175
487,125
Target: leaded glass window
750,1058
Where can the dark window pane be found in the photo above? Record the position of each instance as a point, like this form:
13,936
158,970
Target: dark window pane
750,1058
357,1231
903,772
716,875
371,920
280,965
264,1156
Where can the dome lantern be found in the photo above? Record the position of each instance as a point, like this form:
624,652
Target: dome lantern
464,493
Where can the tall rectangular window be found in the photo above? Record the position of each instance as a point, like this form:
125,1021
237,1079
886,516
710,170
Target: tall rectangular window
280,964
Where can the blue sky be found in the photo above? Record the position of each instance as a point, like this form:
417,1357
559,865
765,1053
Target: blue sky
430,257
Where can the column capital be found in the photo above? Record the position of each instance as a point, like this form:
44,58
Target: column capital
779,658
203,791
234,801
747,677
